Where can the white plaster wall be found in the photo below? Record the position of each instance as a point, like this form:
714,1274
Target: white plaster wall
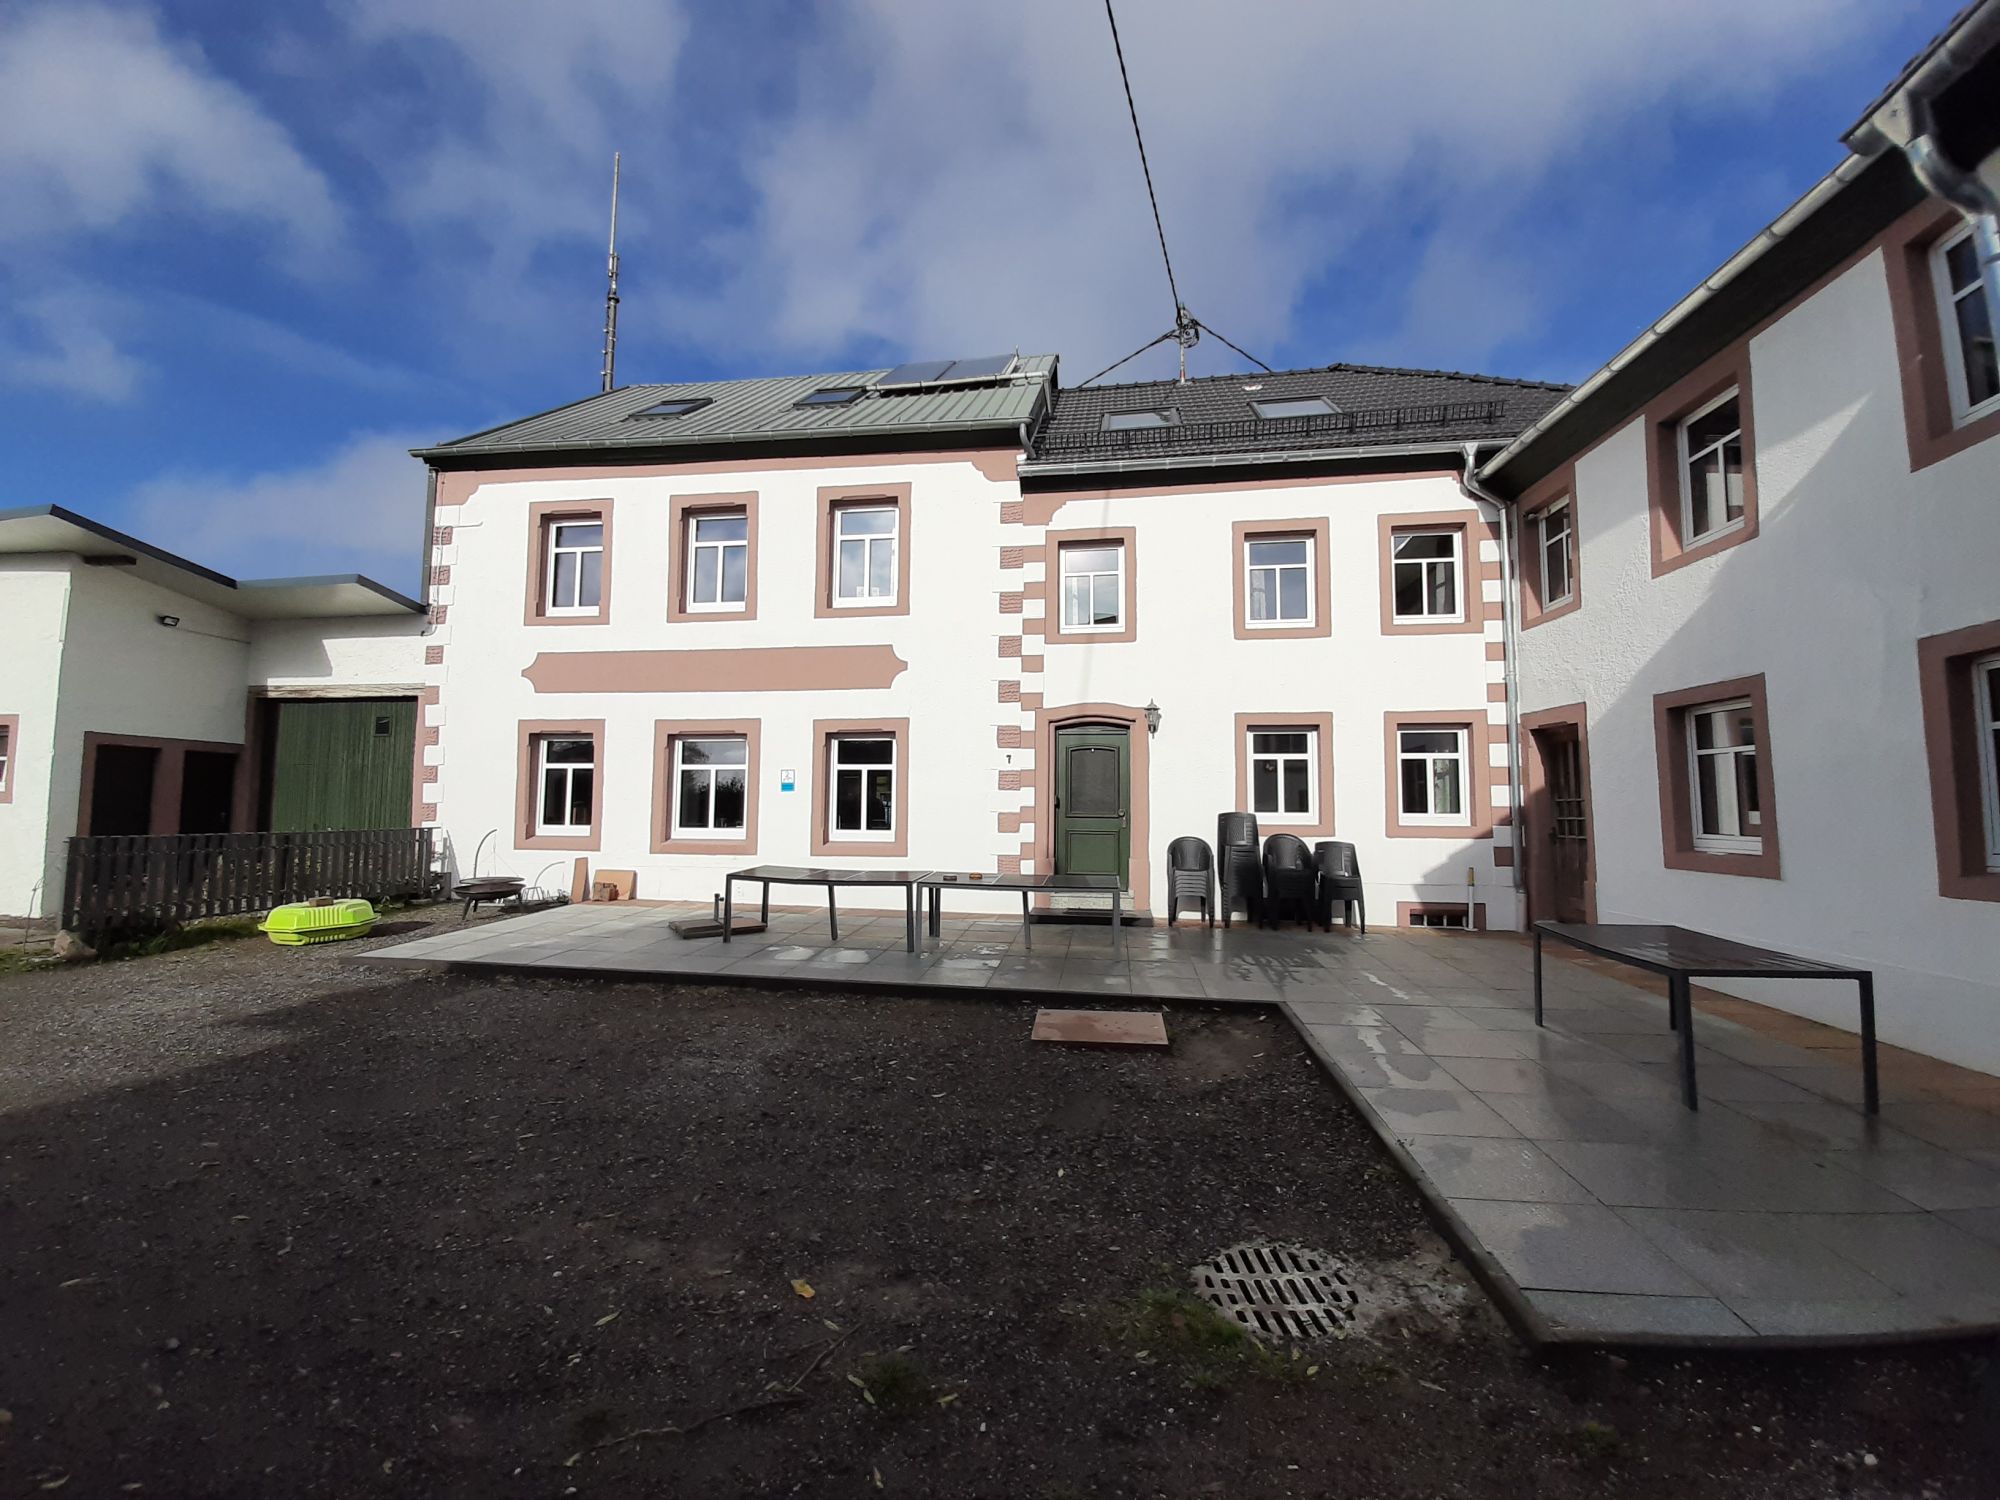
1856,558
1188,660
363,652
949,641
34,599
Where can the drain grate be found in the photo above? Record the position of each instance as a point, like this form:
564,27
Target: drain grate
1279,1291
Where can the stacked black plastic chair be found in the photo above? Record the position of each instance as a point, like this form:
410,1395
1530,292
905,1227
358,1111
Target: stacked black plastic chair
1238,864
1190,877
1290,879
1339,880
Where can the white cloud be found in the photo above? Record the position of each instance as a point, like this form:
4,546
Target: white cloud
102,118
59,340
358,510
960,177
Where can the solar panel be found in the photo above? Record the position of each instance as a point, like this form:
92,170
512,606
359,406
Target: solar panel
918,372
989,368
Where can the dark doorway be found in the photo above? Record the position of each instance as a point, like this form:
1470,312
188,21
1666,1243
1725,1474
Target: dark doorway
1565,821
121,789
1093,832
208,790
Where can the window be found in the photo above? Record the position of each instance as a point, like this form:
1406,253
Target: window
575,570
1452,918
1278,578
1555,549
1093,586
1130,421
862,797
833,395
711,787
1283,774
718,552
677,407
568,786
1711,469
1431,774
6,760
1966,313
864,554
1297,406
1986,716
1722,758
1425,575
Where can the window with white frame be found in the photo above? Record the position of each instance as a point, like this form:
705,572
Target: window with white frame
1278,581
1722,759
1986,703
1284,774
1967,313
568,778
1424,574
718,552
864,554
1710,440
862,798
1431,774
1093,585
6,757
711,786
575,567
1556,546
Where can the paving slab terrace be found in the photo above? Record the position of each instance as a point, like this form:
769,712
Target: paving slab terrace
1593,1205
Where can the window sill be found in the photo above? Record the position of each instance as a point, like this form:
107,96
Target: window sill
1428,625
582,843
681,843
1762,865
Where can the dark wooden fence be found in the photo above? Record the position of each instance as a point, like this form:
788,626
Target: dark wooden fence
135,883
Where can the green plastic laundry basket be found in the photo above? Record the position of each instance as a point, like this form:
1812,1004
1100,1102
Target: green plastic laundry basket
301,923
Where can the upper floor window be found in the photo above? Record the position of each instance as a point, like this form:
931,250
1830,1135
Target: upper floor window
6,758
1431,774
711,786
1722,758
1555,548
1278,578
1093,586
1128,421
1426,568
575,571
1967,314
566,785
862,771
1986,692
864,554
718,550
1711,468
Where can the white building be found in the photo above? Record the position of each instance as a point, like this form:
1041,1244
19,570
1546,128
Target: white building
918,618
1759,593
146,694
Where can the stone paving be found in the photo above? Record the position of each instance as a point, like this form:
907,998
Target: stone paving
1594,1206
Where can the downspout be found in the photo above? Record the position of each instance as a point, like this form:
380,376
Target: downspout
1971,195
1468,481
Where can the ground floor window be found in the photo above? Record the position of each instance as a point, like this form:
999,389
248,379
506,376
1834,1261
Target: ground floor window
1431,774
6,758
1986,715
862,800
1438,916
568,785
711,786
1722,758
1283,773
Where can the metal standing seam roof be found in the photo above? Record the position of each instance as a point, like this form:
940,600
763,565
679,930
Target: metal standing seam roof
766,410
1377,406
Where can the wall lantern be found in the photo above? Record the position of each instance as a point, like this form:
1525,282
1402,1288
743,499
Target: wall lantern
170,621
1152,717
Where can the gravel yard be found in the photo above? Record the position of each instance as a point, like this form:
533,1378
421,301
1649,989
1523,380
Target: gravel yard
272,1224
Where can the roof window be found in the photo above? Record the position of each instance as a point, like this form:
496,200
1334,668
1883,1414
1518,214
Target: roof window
1128,421
832,395
1293,406
677,406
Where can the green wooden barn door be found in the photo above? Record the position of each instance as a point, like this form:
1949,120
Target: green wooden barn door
343,764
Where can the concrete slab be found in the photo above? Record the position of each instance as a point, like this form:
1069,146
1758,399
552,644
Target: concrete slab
1101,1028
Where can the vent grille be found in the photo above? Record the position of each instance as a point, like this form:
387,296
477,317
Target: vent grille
1283,1292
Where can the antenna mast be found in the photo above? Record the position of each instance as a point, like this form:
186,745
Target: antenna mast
611,294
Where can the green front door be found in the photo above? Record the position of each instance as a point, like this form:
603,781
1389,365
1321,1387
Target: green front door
1093,802
343,763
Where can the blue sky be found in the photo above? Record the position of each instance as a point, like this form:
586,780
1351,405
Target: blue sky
250,254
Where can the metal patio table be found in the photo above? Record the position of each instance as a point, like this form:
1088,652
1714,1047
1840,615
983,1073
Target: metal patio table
1681,955
828,877
931,889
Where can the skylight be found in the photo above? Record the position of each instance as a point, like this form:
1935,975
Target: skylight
1127,421
678,406
832,395
1294,406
